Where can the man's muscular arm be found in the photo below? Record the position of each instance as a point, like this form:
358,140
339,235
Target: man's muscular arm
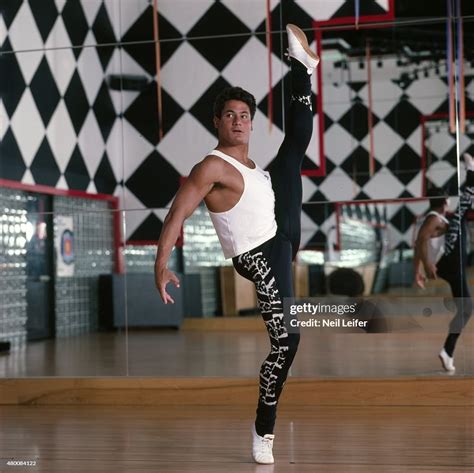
200,182
429,229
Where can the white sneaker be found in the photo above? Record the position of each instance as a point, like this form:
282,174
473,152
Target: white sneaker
262,448
447,361
298,48
468,161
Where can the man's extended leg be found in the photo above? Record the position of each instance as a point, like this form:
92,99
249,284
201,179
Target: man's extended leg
453,233
286,168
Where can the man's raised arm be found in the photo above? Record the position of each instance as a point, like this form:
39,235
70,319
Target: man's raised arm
199,183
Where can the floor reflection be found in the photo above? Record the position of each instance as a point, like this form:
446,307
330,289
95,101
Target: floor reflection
170,353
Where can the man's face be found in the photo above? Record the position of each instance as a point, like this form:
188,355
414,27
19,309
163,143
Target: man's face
235,123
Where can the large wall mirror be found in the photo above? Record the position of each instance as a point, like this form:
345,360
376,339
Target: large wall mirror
104,113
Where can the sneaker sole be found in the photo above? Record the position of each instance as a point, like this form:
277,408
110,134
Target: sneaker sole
303,40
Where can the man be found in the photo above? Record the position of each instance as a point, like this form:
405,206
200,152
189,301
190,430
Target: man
440,249
256,215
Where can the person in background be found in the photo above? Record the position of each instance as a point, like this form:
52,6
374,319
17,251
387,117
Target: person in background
440,249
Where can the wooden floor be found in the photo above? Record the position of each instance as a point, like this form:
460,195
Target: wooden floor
164,439
183,401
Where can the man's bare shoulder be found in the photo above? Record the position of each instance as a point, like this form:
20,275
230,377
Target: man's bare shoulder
213,160
211,164
434,220
210,168
431,225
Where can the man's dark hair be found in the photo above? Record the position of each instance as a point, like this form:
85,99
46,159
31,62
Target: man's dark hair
437,197
234,93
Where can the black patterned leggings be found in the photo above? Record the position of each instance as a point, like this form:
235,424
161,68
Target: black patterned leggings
452,265
269,265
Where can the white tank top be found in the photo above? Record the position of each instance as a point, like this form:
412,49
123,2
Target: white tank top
251,221
436,244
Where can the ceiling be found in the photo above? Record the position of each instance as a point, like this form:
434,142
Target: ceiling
431,8
419,33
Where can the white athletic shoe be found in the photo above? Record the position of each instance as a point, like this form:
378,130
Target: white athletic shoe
298,48
468,161
262,448
447,361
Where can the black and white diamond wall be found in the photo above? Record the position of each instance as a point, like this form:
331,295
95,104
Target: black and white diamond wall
79,101
58,111
440,153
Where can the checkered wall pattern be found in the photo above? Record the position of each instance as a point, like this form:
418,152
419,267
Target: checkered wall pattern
65,124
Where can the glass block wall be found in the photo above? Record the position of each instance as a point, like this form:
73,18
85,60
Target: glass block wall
202,254
201,244
13,233
77,297
141,259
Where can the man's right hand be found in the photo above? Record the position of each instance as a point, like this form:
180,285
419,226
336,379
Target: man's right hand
420,280
162,278
431,271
